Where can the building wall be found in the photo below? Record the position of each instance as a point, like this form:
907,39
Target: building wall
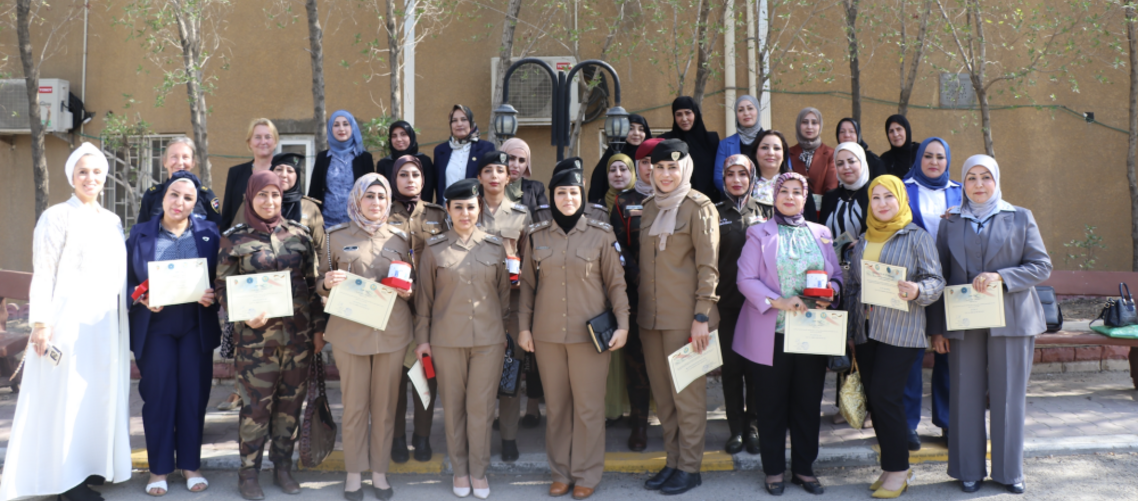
1043,154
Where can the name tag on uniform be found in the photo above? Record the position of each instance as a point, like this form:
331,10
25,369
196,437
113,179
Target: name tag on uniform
432,222
351,248
724,222
634,210
541,247
395,223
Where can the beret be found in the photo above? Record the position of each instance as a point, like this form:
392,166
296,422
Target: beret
567,177
671,149
645,148
493,158
568,163
464,189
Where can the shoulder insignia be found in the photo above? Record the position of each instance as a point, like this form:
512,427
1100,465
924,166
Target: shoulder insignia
398,232
521,208
604,226
300,225
599,206
338,227
233,229
216,204
647,198
153,188
204,189
699,198
722,203
543,206
540,225
437,239
313,200
435,206
493,239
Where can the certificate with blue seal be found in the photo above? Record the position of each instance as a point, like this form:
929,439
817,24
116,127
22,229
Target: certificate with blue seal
816,332
250,295
362,301
966,308
178,281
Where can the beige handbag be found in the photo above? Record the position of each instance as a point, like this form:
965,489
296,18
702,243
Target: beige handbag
852,398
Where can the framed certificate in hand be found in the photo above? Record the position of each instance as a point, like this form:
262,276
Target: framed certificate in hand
816,332
879,285
251,295
965,308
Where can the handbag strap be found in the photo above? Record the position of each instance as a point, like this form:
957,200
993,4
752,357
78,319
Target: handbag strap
853,360
317,374
1125,295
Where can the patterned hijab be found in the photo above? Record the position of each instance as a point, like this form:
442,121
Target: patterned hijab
458,142
745,162
356,197
878,231
797,220
257,182
808,145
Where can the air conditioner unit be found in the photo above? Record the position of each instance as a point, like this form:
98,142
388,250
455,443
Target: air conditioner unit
531,90
54,114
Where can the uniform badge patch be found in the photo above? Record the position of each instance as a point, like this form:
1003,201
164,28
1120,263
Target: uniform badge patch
216,204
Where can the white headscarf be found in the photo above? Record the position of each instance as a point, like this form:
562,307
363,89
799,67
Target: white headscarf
83,150
970,208
863,178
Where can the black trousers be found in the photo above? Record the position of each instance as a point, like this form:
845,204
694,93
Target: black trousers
636,372
739,388
791,394
884,373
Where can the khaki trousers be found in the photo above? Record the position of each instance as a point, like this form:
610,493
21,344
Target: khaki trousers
574,377
370,386
468,382
683,416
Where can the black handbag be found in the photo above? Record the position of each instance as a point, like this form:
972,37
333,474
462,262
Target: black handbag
1120,312
601,328
318,430
511,372
1051,310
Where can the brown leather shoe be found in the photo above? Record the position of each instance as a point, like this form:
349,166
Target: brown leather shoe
582,492
558,489
638,439
248,484
282,477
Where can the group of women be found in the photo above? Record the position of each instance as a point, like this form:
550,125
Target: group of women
500,266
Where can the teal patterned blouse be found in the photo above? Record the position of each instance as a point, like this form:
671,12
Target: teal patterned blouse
798,253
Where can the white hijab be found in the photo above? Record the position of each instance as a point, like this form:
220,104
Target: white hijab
981,212
85,149
863,178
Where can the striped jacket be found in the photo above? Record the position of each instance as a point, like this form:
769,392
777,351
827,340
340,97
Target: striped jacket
913,249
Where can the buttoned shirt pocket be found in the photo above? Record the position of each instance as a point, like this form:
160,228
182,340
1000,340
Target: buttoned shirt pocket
487,267
541,259
588,259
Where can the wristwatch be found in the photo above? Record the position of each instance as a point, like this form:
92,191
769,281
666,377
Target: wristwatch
700,317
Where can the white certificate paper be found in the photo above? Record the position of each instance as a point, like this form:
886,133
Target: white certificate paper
965,308
686,365
362,301
179,281
816,332
879,285
250,295
418,378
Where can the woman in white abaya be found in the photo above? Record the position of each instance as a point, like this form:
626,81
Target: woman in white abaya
71,418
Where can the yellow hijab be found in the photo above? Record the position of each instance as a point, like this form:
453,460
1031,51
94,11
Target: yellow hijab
879,231
610,195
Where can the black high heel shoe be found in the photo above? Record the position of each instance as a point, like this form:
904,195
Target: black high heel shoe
775,488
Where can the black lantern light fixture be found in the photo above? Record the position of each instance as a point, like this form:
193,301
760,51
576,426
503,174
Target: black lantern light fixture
506,116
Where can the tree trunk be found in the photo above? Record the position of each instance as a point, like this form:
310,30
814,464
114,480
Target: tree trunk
977,77
316,48
703,52
505,57
1132,148
32,84
855,70
395,48
189,31
907,82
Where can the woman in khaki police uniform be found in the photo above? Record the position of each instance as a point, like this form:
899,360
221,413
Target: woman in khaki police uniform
370,361
578,260
460,321
508,221
421,220
679,247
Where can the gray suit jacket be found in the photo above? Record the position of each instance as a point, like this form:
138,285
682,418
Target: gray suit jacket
1015,251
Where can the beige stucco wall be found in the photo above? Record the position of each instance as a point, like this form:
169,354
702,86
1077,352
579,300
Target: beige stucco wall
1068,172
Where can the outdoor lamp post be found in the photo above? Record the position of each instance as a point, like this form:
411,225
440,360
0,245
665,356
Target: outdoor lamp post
506,116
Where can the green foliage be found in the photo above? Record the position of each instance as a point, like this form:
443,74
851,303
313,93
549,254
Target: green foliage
1084,253
375,131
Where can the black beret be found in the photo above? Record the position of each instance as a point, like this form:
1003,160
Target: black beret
671,149
568,163
567,177
493,158
464,189
294,160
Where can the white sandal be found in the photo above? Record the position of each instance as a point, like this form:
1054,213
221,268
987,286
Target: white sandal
161,484
192,482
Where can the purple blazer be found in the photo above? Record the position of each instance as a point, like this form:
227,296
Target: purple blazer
758,279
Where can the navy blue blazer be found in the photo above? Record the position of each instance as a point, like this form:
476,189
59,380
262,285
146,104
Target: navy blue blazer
140,248
442,158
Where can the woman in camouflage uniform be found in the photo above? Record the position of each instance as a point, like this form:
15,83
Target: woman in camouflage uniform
271,355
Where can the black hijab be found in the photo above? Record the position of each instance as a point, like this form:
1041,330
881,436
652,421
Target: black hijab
857,129
701,146
598,182
290,200
412,149
898,160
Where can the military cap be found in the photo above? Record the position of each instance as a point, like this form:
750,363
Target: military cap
645,148
464,189
567,177
568,163
493,158
671,149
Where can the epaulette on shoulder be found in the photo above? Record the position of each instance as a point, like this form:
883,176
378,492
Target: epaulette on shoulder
521,208
540,225
338,227
494,239
543,206
153,188
433,206
399,232
604,226
313,200
204,189
699,198
437,239
298,224
600,206
647,198
233,229
721,203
